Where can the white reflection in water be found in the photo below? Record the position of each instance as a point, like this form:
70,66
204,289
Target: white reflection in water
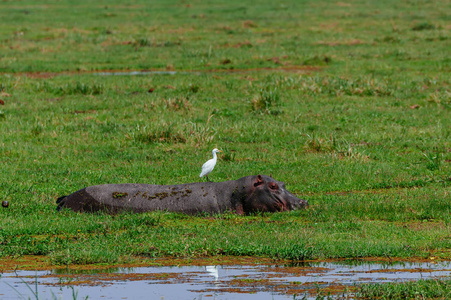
213,271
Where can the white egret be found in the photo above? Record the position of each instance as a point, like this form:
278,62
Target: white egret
209,165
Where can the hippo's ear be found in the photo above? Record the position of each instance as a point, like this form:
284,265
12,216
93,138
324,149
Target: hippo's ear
259,180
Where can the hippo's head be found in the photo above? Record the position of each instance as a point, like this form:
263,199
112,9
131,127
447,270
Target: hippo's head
265,194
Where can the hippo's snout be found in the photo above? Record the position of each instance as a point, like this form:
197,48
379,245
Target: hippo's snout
295,202
301,204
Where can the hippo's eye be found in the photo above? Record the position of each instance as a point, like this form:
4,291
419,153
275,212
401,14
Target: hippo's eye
273,186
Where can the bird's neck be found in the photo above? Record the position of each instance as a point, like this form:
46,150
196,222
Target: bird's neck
214,155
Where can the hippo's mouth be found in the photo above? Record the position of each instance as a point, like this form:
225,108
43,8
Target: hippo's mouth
280,205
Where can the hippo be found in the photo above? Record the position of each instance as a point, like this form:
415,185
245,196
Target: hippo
244,196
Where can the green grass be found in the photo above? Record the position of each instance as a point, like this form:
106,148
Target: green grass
375,38
422,289
348,103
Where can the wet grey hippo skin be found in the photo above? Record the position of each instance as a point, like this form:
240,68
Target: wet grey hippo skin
243,196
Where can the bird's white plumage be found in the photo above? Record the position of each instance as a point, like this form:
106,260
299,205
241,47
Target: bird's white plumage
210,164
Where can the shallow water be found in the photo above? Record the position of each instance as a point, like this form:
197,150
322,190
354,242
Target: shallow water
212,282
137,73
293,69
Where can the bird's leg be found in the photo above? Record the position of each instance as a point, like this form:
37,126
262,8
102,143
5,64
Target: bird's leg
208,179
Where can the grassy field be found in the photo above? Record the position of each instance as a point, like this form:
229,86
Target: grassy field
348,102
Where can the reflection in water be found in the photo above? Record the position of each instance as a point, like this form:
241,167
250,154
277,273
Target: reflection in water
213,271
218,282
69,271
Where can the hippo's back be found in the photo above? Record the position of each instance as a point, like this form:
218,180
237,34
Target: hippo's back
187,198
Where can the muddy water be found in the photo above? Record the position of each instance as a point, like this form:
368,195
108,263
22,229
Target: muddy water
212,282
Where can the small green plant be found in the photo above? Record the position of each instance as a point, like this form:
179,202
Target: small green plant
178,103
268,101
201,134
71,88
143,42
433,160
163,133
423,26
391,39
318,60
295,252
315,144
193,88
228,155
38,129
